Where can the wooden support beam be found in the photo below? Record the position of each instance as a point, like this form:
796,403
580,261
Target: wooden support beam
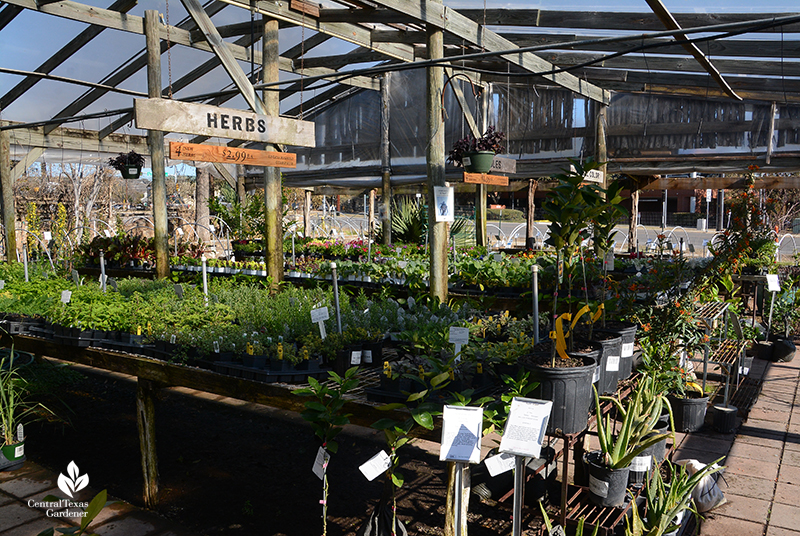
226,58
634,217
306,213
435,156
146,392
450,20
225,174
7,197
155,139
670,23
7,14
530,217
80,140
273,213
386,163
771,132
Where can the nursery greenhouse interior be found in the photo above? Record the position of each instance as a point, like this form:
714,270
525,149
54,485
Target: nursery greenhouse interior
387,267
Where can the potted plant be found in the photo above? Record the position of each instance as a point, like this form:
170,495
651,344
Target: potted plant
477,154
129,164
609,466
15,409
667,502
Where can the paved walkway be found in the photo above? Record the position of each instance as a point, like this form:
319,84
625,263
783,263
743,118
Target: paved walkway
762,476
33,483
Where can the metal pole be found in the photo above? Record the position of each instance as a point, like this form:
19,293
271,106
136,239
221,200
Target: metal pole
459,483
664,213
205,281
336,298
769,322
535,270
519,484
294,263
102,271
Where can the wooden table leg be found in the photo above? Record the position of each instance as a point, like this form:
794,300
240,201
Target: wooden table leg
146,416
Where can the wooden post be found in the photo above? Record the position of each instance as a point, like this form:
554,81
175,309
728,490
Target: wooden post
437,232
530,219
601,151
146,416
155,141
720,210
202,193
240,177
7,187
272,175
632,231
307,213
386,164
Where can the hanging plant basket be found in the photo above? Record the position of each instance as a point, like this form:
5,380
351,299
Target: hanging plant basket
131,172
478,161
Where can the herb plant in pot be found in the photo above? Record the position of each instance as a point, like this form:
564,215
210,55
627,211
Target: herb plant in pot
477,154
129,164
609,466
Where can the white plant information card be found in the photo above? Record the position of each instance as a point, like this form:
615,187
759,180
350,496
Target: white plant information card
526,426
376,465
461,434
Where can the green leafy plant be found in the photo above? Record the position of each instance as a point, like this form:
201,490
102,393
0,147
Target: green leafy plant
15,405
124,160
96,506
491,140
327,418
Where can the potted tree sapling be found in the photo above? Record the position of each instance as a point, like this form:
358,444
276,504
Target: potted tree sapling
477,154
129,164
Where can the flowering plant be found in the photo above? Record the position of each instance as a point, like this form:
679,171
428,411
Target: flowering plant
492,140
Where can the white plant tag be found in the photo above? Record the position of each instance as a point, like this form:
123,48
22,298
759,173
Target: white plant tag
467,161
113,283
102,279
179,291
558,530
20,433
355,357
76,278
107,233
596,377
66,295
612,365
640,464
773,285
499,464
48,236
497,257
172,339
598,487
2,284
627,349
375,466
319,315
366,355
321,463
608,261
322,332
19,451
459,337
216,347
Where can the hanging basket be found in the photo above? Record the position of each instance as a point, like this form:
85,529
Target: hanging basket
131,172
478,162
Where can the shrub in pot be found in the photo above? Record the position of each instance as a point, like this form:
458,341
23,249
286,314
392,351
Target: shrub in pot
479,151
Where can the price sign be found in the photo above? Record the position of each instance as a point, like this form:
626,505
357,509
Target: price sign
461,434
459,337
319,316
773,285
526,426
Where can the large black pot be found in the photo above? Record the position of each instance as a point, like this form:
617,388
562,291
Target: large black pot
628,332
689,412
606,486
609,362
570,389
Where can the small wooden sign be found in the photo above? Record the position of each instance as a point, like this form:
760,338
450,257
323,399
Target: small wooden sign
484,178
205,120
230,155
504,165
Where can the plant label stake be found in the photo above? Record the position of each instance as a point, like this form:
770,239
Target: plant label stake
25,260
113,282
102,271
461,438
2,284
535,271
294,261
179,291
375,466
20,433
459,337
773,286
76,278
500,463
336,298
205,280
321,463
66,295
319,316
355,357
216,347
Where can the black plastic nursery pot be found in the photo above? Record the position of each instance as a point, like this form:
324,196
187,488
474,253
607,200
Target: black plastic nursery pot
570,389
607,487
12,456
609,362
628,332
689,412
